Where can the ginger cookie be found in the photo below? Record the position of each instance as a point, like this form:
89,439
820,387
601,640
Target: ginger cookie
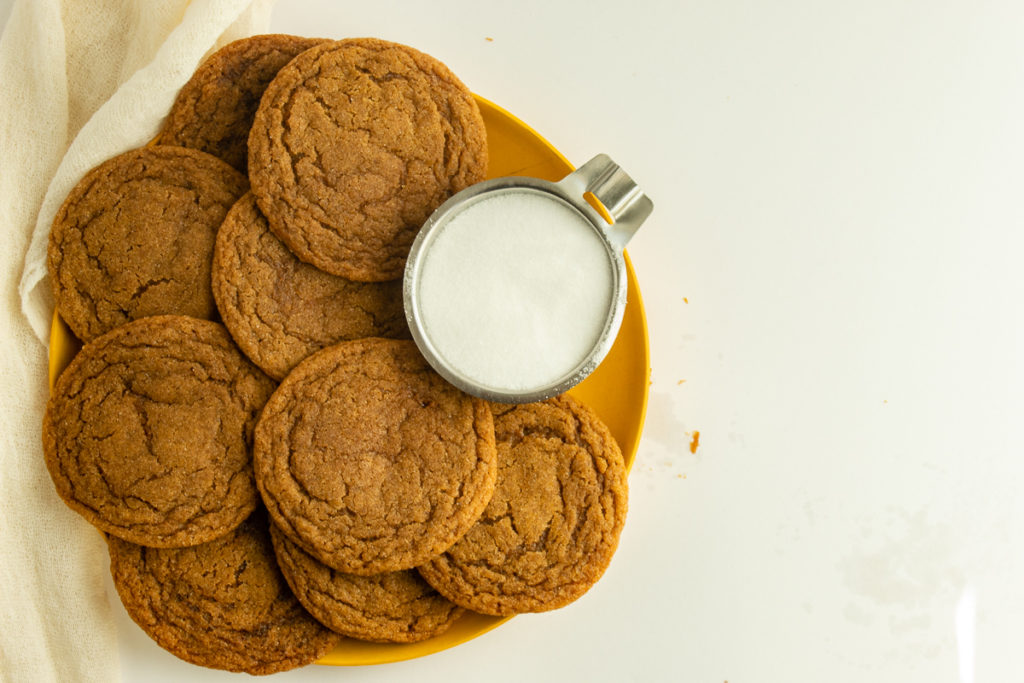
393,607
148,432
553,524
214,109
370,461
135,238
222,604
279,309
354,144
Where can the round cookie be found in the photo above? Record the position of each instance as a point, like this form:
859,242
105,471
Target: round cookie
280,310
135,238
354,145
394,607
370,461
147,432
214,109
222,604
553,524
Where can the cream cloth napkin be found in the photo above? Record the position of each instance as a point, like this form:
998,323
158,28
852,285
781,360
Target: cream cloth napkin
80,81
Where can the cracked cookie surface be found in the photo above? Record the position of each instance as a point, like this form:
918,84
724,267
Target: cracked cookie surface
148,432
393,607
369,460
354,144
222,604
280,310
554,521
134,238
215,108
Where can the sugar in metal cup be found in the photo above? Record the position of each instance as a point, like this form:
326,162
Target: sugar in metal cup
515,287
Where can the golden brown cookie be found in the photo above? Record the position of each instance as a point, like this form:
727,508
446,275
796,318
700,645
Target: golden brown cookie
135,238
354,144
279,309
214,109
147,433
370,461
554,522
394,607
222,604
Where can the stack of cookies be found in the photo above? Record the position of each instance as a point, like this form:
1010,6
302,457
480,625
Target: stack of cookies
273,462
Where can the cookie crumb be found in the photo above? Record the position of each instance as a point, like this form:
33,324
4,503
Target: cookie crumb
694,441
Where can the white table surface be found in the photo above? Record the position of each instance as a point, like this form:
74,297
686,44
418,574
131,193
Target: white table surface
832,287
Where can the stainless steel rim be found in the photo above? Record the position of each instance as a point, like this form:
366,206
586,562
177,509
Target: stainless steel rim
628,206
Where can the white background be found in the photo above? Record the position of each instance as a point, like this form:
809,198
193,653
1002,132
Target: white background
832,268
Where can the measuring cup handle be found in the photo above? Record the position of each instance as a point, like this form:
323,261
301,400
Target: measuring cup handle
623,198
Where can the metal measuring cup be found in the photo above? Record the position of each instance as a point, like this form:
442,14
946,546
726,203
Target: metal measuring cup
627,206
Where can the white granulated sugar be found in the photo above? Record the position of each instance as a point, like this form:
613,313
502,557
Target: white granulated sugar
515,290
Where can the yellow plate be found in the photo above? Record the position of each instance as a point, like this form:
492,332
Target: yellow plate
617,390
